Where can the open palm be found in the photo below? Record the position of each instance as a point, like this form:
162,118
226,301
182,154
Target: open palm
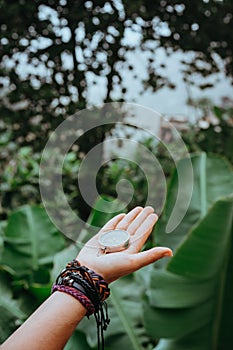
139,223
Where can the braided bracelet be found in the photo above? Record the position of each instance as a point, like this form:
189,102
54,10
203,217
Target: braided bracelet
77,295
90,289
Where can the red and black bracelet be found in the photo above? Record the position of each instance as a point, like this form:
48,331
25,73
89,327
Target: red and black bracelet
80,296
90,289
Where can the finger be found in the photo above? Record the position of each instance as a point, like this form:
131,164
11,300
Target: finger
150,256
141,235
124,223
138,221
112,223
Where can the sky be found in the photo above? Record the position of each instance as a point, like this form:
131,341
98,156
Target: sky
166,101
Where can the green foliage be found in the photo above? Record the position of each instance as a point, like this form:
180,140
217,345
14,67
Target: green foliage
20,176
213,131
182,295
119,169
19,173
78,338
11,313
30,241
54,54
50,58
188,295
212,180
20,164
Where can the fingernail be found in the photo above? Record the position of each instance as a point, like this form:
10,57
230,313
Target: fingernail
168,254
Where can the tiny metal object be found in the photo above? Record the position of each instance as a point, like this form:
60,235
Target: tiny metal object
114,241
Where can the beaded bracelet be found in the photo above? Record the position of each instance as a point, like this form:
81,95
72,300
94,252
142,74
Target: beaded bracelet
90,289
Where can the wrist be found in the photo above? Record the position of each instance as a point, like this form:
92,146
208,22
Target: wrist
89,288
94,267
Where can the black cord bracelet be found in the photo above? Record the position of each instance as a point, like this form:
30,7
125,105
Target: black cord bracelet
93,288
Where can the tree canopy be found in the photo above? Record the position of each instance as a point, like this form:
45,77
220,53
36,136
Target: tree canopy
53,51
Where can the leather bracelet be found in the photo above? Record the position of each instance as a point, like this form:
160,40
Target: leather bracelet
90,289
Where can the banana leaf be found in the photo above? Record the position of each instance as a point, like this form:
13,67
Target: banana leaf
11,313
29,238
190,297
77,341
212,180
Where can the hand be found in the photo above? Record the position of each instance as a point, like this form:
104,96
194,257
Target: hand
139,223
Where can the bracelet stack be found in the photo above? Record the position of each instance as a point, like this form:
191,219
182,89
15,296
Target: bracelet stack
90,289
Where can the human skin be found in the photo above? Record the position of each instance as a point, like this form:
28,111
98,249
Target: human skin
52,324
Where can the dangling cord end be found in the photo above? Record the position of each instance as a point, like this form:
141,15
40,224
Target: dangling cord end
98,323
105,318
102,321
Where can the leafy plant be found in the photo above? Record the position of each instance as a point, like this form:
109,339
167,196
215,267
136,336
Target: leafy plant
119,169
188,301
213,131
19,174
10,310
190,298
30,241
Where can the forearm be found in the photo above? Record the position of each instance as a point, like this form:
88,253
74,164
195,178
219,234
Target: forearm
50,326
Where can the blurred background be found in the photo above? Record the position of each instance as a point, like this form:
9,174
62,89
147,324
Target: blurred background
58,57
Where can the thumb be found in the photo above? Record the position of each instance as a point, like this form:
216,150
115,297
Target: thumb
150,256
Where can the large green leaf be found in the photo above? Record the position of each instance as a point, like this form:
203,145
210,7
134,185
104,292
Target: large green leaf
30,240
2,226
40,291
77,341
190,297
202,253
226,312
212,180
190,293
10,311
